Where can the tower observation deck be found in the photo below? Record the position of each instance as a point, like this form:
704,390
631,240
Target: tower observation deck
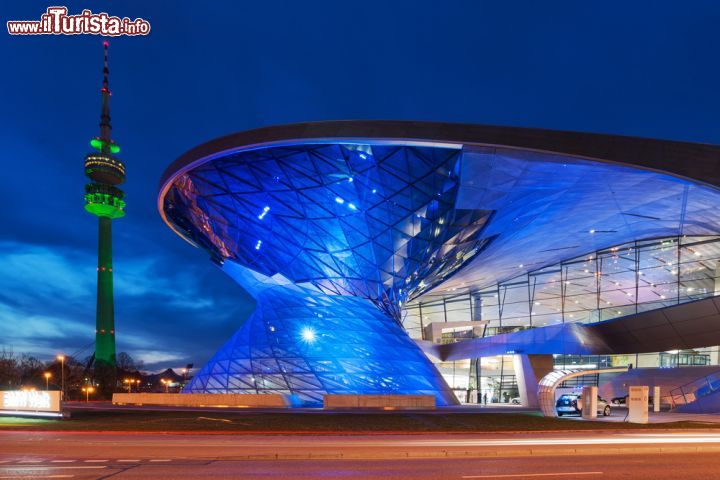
104,199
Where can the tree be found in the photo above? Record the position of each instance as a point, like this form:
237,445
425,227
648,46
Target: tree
126,363
9,370
31,370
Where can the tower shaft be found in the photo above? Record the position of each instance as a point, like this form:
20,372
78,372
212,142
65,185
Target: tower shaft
104,199
105,319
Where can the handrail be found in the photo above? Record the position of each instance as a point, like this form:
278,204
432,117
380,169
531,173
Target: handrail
689,395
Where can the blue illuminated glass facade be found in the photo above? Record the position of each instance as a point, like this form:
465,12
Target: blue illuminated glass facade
305,344
374,221
363,229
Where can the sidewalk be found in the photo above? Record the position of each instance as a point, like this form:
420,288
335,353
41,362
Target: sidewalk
620,415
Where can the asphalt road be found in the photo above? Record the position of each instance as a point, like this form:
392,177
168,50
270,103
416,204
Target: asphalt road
655,455
638,467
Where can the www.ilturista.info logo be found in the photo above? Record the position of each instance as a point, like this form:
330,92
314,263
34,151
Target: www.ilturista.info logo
56,21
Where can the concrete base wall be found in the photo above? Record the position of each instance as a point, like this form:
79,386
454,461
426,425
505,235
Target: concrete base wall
202,400
394,402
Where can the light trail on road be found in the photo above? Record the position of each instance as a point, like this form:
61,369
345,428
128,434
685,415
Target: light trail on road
398,440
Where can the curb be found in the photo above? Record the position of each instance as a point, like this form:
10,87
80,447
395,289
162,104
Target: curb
496,453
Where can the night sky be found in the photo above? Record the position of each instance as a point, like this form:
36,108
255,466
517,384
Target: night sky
644,68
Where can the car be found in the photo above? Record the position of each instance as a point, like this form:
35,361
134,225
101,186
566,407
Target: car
571,404
515,401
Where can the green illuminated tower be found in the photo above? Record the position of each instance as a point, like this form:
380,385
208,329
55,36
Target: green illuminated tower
105,200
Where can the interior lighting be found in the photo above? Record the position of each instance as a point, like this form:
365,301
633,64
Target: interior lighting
308,334
264,212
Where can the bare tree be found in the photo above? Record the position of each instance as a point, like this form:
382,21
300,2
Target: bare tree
9,370
31,370
128,364
125,362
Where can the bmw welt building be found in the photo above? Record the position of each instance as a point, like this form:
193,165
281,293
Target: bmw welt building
447,259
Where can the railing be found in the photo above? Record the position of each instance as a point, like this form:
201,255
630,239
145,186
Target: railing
698,388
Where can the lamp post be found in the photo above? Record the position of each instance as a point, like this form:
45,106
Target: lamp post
62,374
47,376
128,383
166,383
137,383
88,390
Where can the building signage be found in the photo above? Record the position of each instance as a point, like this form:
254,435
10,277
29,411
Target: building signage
638,404
29,401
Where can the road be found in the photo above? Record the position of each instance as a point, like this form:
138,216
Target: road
656,455
666,467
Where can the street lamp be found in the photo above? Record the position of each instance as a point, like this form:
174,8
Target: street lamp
47,376
87,390
62,373
137,383
166,383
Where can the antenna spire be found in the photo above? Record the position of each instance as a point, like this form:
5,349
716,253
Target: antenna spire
105,126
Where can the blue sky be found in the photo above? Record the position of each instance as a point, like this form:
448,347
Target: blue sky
645,68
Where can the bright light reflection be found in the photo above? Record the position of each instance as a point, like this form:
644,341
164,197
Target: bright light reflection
308,334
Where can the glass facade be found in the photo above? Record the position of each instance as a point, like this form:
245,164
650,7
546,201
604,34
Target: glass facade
374,221
610,283
304,345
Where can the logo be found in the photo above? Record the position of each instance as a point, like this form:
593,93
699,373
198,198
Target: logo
22,399
56,21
